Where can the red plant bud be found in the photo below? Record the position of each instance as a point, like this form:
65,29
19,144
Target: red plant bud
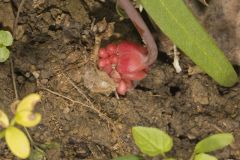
102,53
122,88
124,63
111,49
132,57
114,59
107,69
135,76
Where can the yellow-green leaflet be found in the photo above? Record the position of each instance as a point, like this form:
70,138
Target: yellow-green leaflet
28,102
214,142
17,142
4,121
203,156
28,118
6,38
177,22
4,53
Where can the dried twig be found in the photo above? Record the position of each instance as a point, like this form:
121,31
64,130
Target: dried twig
101,115
77,88
11,61
14,80
12,65
17,17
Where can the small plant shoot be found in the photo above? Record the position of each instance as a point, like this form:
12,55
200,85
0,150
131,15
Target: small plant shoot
152,141
214,142
16,139
124,63
203,156
17,142
6,40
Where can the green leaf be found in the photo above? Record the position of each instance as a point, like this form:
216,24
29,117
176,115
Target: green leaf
27,118
203,156
28,102
129,157
17,142
4,121
6,38
177,22
214,142
152,141
4,53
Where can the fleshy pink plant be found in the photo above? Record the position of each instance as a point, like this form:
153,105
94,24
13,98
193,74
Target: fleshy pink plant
128,62
124,63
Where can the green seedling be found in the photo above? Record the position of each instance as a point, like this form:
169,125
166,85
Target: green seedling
15,138
6,40
154,142
211,143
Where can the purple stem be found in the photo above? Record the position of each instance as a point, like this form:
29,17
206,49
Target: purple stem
142,28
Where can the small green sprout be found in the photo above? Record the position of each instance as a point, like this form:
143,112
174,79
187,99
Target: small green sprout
211,143
203,156
16,139
6,40
154,142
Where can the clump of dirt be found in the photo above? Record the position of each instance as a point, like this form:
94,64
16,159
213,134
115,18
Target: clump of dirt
50,57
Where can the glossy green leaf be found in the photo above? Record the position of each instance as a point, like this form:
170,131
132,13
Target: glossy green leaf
203,156
129,157
214,142
17,142
4,121
28,118
177,22
6,38
4,53
152,141
28,102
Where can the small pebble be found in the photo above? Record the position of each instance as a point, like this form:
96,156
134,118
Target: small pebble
36,74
